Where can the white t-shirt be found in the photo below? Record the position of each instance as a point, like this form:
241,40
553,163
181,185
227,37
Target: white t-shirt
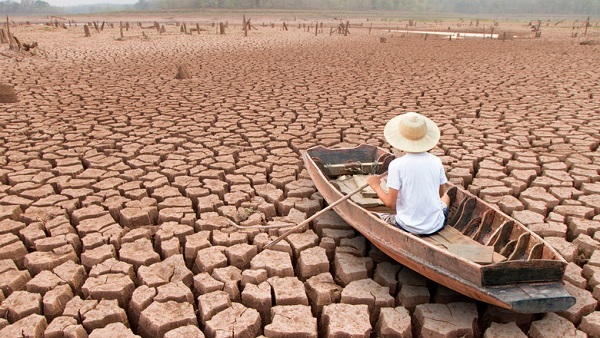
417,177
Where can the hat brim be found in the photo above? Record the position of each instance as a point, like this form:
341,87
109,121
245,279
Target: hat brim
392,135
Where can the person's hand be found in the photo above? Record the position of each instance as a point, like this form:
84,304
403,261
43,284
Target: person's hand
373,181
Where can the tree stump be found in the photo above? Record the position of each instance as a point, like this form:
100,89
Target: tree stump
86,29
7,94
183,72
3,37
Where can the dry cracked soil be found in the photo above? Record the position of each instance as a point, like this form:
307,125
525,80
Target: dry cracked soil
119,182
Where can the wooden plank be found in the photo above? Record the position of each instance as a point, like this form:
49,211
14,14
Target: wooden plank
476,253
449,236
347,186
360,180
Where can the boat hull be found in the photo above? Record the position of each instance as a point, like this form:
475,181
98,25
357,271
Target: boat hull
438,265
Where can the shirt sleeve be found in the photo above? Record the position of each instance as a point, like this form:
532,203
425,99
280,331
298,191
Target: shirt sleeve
393,179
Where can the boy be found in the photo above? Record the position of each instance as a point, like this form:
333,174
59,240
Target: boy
416,180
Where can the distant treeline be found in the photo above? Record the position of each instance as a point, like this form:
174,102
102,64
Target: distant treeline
586,7
24,6
580,7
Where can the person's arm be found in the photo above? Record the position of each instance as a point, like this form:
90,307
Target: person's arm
442,189
389,198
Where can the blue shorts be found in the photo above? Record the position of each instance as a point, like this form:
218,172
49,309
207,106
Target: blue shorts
391,219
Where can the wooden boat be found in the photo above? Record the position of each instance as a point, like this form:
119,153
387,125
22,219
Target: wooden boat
481,252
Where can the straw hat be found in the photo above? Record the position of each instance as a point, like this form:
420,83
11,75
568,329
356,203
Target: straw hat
412,132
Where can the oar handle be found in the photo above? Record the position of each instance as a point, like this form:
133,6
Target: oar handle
329,207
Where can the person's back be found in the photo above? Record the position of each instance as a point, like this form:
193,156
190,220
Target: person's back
415,180
417,177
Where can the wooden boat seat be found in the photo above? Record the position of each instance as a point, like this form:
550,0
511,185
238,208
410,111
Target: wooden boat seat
366,198
452,239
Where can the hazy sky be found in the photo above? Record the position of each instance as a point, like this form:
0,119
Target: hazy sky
88,2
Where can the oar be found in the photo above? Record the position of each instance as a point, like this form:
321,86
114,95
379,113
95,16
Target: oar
331,206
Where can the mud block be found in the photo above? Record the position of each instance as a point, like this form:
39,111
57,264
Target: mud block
110,286
579,225
12,248
549,229
195,243
350,268
263,239
31,326
590,324
410,296
92,257
159,318
188,331
71,273
141,298
230,276
385,275
573,274
393,322
235,321
176,291
205,283
444,320
55,301
302,241
240,255
19,305
210,304
138,253
10,212
43,282
113,330
58,325
288,291
338,234
346,320
585,304
253,277
497,330
209,259
92,211
566,249
528,217
12,279
330,220
276,263
553,326
106,312
30,234
135,217
11,226
259,297
368,292
113,266
292,320
172,269
586,244
312,261
329,245
321,291
76,307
